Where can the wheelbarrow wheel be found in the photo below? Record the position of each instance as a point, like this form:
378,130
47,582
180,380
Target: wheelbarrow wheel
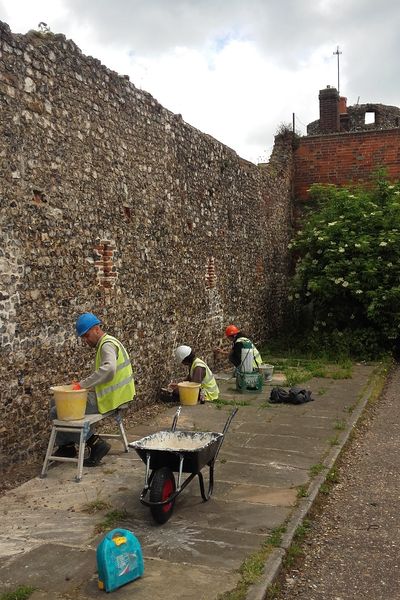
162,486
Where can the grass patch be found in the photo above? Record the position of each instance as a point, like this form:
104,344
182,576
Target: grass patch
332,476
316,469
332,479
292,554
253,567
221,402
302,491
339,425
23,592
96,506
324,489
295,550
273,591
275,538
110,521
302,530
298,370
345,373
295,375
334,441
267,405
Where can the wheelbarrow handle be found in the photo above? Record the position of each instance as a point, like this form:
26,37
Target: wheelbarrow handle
176,417
229,420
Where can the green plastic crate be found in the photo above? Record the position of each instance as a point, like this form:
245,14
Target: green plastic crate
249,382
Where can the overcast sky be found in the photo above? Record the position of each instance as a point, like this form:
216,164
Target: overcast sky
236,69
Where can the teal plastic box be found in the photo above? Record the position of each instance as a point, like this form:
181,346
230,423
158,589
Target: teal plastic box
119,559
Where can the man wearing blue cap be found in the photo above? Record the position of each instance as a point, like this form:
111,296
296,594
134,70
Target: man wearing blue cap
112,382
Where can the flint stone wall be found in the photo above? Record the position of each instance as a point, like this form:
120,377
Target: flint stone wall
113,204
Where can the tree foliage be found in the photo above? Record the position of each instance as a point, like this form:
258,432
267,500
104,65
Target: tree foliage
348,261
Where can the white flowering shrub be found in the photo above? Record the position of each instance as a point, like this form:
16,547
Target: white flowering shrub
348,262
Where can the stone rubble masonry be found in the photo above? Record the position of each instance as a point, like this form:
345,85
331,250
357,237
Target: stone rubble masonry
111,203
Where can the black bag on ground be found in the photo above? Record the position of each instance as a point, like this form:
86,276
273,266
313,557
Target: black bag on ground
295,395
278,395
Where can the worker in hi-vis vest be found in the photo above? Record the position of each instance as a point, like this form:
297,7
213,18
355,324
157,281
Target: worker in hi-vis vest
235,354
111,385
199,372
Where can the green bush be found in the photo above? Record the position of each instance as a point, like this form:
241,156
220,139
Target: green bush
347,279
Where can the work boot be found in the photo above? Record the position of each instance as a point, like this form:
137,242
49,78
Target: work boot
66,451
98,449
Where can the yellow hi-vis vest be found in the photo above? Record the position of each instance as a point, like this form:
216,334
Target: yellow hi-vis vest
121,388
257,360
209,385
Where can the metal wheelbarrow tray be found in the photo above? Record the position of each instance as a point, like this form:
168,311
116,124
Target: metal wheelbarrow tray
183,452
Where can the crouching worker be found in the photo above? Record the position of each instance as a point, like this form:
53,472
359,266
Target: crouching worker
235,354
199,372
112,382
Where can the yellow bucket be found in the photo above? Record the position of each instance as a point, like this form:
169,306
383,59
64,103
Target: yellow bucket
70,404
188,392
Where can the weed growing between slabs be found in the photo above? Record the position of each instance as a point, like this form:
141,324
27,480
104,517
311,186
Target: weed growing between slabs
111,520
23,592
253,566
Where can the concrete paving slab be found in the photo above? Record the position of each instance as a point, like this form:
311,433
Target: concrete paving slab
188,542
271,457
305,427
168,579
280,475
223,514
308,446
267,454
257,494
51,567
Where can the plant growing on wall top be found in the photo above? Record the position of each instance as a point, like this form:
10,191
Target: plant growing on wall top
348,261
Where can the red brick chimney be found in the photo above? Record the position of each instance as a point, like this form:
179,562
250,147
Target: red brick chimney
329,110
342,105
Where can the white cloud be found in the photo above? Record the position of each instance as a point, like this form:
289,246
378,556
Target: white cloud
235,70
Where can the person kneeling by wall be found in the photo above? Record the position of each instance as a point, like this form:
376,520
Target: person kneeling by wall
199,372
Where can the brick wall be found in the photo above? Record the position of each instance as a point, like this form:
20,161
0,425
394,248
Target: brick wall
111,203
345,158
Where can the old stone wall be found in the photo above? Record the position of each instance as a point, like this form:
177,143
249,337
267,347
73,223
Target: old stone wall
345,158
113,204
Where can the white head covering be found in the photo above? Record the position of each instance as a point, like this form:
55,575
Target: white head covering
182,352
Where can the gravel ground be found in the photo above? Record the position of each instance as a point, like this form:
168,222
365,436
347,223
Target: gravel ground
352,550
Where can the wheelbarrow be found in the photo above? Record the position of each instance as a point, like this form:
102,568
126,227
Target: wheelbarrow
166,452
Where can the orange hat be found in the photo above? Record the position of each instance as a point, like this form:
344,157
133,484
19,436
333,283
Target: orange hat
231,330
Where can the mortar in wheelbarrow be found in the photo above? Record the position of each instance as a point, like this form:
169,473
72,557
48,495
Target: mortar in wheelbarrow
181,451
164,447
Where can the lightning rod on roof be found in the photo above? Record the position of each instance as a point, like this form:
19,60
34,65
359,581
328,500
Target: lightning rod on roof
338,52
